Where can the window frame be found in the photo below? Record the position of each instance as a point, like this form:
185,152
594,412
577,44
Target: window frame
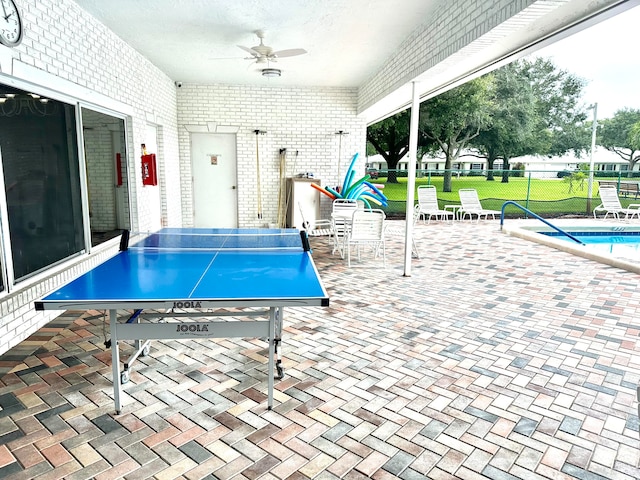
9,283
128,164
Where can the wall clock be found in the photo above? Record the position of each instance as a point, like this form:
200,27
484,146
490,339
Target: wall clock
10,24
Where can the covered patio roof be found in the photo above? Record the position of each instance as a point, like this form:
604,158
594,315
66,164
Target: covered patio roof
377,46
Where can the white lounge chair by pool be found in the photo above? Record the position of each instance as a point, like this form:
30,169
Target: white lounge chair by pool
470,205
428,207
611,204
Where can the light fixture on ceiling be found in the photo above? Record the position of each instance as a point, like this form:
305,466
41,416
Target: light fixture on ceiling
271,72
12,104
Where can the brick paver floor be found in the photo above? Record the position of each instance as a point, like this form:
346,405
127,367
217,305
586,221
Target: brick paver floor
496,359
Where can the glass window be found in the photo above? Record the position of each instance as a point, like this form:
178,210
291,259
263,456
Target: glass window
107,181
38,144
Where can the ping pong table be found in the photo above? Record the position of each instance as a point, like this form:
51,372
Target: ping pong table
185,283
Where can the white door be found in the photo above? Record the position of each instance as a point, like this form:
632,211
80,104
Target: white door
213,163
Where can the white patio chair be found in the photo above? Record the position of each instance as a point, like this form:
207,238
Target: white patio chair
470,205
316,228
428,207
391,229
611,204
366,230
341,215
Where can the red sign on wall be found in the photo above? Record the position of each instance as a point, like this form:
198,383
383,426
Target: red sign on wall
149,171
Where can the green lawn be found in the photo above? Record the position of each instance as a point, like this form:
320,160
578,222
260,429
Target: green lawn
551,196
516,189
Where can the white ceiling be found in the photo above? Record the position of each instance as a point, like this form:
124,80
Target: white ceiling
196,41
348,41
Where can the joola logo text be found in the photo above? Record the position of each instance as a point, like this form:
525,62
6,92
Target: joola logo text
186,304
191,328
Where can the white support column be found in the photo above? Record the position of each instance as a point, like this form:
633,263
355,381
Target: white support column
594,129
411,178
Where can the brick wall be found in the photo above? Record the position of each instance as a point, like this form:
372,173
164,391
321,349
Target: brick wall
74,54
299,119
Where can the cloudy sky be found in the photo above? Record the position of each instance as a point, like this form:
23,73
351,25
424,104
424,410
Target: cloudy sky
608,58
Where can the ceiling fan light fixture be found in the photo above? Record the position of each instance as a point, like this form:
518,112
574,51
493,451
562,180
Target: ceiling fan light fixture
271,72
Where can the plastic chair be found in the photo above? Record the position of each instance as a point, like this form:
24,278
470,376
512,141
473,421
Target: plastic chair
428,207
470,205
391,230
316,228
341,216
611,204
367,229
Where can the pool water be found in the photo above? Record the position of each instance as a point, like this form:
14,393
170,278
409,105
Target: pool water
609,243
619,244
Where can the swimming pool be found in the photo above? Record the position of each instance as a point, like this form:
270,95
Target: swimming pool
614,244
619,244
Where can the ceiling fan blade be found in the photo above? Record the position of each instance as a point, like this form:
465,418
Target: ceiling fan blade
250,51
292,52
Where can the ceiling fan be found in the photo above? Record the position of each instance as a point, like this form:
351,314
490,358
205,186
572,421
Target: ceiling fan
265,54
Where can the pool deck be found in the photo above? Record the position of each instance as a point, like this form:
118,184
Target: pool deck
497,358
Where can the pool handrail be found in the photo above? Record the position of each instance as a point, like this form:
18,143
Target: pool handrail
529,212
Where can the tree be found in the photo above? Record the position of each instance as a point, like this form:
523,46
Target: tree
452,119
635,136
561,113
513,119
524,108
390,138
620,134
537,110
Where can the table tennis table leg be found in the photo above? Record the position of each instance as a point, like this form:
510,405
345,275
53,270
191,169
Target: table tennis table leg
115,358
272,350
142,348
278,337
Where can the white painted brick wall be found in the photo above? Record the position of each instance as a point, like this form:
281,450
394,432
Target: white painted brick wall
63,40
298,119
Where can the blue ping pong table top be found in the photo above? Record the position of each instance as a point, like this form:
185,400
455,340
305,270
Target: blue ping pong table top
252,267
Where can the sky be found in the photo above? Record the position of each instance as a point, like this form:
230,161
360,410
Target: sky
606,56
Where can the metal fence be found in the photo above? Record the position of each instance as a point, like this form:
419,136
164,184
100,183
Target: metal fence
547,193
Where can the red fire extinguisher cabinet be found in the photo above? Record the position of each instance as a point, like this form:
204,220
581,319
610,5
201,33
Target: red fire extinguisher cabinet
149,171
